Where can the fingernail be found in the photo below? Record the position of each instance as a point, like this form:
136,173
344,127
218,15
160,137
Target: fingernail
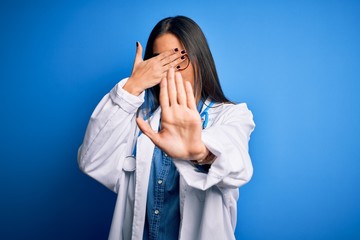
137,44
182,57
183,51
178,67
176,49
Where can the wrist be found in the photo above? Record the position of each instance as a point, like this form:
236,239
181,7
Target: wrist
132,88
206,158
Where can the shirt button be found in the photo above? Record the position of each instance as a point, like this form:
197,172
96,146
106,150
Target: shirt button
156,212
160,181
165,154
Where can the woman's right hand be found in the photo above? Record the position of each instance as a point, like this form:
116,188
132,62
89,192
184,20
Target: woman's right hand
148,73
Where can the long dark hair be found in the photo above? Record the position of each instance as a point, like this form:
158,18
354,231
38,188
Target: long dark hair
206,80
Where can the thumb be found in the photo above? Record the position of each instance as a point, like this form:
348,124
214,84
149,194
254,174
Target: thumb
147,130
138,56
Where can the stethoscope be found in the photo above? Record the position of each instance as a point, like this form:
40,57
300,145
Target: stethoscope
205,115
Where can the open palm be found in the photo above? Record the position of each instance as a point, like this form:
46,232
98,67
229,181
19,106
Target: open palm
180,134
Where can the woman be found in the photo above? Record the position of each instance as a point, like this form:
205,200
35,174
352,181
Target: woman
169,143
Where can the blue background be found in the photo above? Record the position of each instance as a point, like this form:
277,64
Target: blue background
296,64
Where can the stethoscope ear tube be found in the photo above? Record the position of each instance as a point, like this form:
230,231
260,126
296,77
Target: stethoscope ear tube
205,115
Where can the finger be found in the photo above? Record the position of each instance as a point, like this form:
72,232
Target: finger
181,95
147,130
171,87
168,53
173,57
164,96
138,55
182,59
190,96
175,64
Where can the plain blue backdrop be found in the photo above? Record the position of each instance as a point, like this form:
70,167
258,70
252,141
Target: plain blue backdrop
296,64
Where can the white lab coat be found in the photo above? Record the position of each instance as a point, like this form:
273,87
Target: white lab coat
207,201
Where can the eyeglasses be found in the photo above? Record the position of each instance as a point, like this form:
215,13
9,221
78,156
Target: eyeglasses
184,64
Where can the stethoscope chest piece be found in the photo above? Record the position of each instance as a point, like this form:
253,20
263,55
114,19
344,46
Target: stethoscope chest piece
129,164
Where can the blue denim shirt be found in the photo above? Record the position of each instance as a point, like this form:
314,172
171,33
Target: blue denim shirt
162,221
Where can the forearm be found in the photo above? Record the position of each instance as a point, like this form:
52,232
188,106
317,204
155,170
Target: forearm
111,125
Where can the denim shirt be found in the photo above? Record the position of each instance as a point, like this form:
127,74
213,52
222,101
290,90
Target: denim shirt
162,220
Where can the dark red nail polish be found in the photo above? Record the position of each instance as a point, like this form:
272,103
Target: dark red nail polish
183,51
177,67
176,49
137,44
182,57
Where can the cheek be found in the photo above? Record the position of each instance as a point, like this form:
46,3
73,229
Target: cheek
188,74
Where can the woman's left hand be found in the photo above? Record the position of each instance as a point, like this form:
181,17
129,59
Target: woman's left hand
180,134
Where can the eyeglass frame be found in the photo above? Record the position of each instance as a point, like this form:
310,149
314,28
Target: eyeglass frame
178,69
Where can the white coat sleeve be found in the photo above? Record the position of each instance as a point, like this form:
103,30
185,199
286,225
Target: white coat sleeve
228,140
109,136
